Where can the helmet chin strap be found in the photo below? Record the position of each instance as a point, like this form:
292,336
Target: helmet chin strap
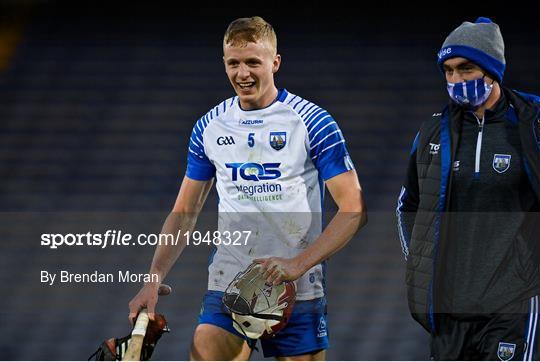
252,343
270,316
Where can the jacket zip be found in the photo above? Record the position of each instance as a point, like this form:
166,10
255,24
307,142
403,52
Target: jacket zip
478,145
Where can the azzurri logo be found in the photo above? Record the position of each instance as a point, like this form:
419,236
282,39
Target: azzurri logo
252,171
250,122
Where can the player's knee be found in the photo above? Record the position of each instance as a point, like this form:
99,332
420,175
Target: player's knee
214,343
200,348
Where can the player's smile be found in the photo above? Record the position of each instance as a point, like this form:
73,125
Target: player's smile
246,85
246,88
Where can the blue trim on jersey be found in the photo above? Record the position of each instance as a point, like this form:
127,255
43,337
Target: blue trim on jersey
333,168
199,166
304,106
319,123
320,131
315,118
309,109
330,138
199,170
326,143
297,103
282,95
292,99
311,113
278,99
304,333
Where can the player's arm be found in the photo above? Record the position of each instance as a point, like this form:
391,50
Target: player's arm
351,216
187,207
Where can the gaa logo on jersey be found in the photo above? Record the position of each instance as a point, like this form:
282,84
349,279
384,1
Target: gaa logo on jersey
278,140
225,141
501,163
506,351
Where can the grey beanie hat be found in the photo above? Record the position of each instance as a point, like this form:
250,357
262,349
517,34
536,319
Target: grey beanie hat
481,42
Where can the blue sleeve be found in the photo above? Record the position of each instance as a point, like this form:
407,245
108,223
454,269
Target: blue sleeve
199,166
327,146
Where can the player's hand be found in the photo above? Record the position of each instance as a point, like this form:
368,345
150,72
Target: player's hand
146,298
277,270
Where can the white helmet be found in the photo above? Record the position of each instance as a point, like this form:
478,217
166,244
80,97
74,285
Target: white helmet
259,310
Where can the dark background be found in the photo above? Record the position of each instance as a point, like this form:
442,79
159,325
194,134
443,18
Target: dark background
97,101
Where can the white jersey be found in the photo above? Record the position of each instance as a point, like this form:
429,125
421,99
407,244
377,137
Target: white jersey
270,166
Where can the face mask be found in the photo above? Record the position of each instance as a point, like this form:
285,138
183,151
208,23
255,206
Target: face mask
470,94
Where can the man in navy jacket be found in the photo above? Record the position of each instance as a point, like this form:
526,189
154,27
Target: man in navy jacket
468,213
